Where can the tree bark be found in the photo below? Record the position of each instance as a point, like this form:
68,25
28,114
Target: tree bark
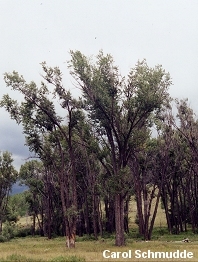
119,220
109,214
0,226
94,215
70,233
154,215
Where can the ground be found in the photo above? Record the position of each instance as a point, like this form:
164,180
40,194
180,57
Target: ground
40,249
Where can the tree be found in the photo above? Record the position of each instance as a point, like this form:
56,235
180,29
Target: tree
177,159
186,177
8,176
17,206
88,182
39,118
148,173
32,174
118,110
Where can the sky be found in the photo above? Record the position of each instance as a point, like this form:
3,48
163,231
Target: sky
162,32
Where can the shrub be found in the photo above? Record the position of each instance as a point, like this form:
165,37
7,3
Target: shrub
2,239
8,231
23,232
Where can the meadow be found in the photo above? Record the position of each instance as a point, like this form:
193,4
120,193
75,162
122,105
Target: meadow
31,249
40,249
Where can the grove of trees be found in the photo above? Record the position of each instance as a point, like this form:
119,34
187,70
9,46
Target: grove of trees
119,139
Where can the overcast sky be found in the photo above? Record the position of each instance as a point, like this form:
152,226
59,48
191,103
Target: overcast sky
32,31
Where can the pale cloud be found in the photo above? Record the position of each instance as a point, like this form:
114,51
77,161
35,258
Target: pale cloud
163,32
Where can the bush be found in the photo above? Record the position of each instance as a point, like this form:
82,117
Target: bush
85,238
11,230
8,231
2,239
23,232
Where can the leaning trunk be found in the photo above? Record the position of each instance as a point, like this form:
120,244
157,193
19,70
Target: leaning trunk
154,215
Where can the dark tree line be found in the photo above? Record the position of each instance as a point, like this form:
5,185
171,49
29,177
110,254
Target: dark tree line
97,151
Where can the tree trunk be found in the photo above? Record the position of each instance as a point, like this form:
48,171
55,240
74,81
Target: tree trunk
126,215
119,220
100,217
94,215
86,217
109,214
165,204
0,226
154,215
34,224
70,232
40,225
70,240
139,210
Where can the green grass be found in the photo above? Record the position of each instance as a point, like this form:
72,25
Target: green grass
20,258
40,249
36,249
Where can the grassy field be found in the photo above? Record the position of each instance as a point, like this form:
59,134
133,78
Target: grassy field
40,249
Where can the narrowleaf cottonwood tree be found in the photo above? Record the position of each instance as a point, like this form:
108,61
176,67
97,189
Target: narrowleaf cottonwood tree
188,139
177,160
40,196
8,176
38,116
146,170
118,109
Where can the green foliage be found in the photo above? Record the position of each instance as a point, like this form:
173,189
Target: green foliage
8,174
2,239
92,153
18,205
12,230
23,231
8,231
85,238
119,110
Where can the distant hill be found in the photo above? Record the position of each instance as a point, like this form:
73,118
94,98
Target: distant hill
17,188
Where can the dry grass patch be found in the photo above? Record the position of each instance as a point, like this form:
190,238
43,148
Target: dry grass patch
160,220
